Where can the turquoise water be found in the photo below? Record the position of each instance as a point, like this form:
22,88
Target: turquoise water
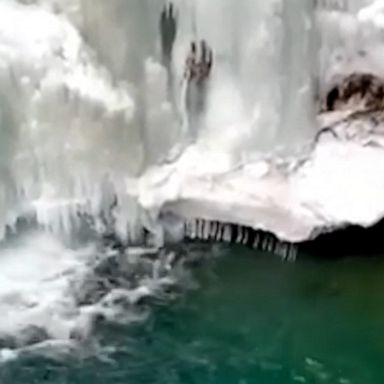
249,319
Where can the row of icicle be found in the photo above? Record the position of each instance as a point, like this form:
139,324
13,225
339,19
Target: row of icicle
206,230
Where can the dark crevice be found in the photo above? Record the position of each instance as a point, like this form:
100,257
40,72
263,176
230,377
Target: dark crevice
351,241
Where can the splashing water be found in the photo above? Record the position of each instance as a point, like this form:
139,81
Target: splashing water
52,295
35,298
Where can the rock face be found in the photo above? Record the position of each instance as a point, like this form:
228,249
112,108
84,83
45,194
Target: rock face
357,92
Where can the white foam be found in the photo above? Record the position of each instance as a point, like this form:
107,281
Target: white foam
35,286
48,297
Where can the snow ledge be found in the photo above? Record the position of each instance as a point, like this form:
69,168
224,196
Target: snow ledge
340,184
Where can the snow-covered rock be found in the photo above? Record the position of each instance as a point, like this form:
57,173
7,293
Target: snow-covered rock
340,183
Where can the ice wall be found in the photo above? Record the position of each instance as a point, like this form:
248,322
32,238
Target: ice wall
85,107
350,39
298,70
67,130
261,87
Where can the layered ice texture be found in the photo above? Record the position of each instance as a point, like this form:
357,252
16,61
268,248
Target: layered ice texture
85,108
87,122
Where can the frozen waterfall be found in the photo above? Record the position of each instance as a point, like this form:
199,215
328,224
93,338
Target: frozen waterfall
92,124
259,64
85,107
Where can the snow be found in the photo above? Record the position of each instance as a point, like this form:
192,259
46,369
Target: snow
49,46
339,184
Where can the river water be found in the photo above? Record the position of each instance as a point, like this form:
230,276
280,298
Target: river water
246,318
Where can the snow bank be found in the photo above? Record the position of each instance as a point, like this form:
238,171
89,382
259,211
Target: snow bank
339,184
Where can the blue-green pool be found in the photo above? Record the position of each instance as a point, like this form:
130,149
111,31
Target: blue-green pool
250,319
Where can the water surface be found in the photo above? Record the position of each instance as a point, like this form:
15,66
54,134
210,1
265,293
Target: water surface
250,319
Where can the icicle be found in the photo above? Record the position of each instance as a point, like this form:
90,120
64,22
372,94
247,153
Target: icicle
257,240
194,229
187,233
271,246
292,253
239,234
209,230
246,236
227,233
201,229
220,231
213,231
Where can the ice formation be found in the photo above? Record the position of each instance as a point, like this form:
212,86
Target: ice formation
87,124
332,185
